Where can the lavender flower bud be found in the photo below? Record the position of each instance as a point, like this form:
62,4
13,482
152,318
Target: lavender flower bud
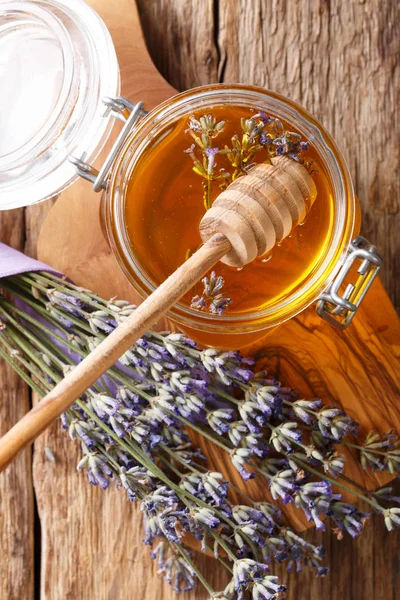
392,518
267,588
238,458
237,431
104,405
284,435
216,487
204,516
348,518
334,423
220,419
172,524
269,399
303,409
333,464
253,415
283,485
97,469
175,569
254,443
82,430
191,483
99,321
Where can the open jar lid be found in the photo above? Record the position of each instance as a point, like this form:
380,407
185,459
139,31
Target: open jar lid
57,63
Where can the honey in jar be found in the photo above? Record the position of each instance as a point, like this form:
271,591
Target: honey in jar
157,196
167,198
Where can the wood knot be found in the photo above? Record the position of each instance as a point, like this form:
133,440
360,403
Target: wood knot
260,209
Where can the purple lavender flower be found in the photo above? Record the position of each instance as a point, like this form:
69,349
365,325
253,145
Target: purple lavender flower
159,499
57,316
177,572
192,483
253,415
348,518
237,431
211,296
221,419
151,528
333,464
97,469
204,517
269,398
315,498
82,430
66,302
267,588
270,511
228,366
251,530
334,423
173,523
284,435
238,458
303,410
210,153
104,406
132,479
254,442
283,485
174,437
215,487
246,570
266,119
242,513
159,553
100,321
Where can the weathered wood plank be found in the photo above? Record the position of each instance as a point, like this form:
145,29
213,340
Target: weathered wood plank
321,54
340,60
16,490
92,540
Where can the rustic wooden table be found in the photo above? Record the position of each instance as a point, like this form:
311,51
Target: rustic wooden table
61,538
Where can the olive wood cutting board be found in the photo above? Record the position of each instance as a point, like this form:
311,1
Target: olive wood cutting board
356,369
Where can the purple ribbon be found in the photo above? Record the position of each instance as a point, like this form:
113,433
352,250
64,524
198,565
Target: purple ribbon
13,262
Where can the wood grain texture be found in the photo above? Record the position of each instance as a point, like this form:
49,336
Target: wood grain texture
106,354
16,490
323,54
340,60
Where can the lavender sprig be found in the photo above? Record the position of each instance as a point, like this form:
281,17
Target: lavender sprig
203,131
130,424
212,298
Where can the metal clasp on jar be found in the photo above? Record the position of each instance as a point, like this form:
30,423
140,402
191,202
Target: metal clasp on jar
123,110
337,309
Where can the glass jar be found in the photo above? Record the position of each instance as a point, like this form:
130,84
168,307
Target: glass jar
235,330
57,63
60,81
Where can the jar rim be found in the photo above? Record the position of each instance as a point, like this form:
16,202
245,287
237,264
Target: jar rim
70,51
290,111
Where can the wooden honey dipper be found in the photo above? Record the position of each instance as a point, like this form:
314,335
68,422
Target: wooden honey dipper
246,220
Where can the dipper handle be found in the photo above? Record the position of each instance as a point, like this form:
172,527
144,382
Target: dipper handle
111,349
245,221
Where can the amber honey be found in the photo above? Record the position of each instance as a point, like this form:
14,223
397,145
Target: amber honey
164,206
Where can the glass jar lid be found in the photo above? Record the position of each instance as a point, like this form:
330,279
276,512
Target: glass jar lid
57,63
